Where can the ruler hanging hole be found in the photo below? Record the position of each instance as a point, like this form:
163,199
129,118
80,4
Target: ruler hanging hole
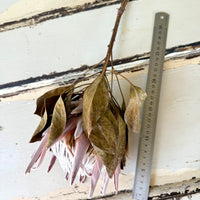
161,17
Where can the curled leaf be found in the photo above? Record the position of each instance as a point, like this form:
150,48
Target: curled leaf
132,113
67,101
49,99
37,136
58,121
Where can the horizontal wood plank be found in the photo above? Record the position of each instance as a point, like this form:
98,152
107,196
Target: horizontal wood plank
72,41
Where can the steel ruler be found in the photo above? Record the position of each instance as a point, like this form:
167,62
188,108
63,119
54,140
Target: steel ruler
150,109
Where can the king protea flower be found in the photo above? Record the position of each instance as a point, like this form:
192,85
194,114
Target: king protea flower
86,131
84,126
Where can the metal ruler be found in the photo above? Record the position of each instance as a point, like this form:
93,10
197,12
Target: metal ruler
150,109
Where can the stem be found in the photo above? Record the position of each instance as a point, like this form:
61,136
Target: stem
85,78
112,40
87,70
122,77
111,62
120,89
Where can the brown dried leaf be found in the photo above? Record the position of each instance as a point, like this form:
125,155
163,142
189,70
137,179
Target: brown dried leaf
108,138
49,99
105,128
121,145
37,136
58,121
95,103
104,133
112,160
109,160
132,113
67,101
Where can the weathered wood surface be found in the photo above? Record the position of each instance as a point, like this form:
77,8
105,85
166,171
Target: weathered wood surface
187,190
176,155
57,45
39,57
175,57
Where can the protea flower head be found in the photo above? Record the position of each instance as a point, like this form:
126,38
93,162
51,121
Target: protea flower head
84,126
85,130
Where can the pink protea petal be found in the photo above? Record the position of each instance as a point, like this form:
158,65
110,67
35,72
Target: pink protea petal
52,162
105,183
42,147
116,177
95,175
81,147
42,157
79,128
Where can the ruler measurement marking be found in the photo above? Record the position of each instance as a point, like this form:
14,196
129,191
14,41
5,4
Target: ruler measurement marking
147,135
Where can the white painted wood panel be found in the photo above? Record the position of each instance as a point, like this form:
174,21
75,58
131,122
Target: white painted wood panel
177,145
17,123
4,5
72,41
30,8
69,42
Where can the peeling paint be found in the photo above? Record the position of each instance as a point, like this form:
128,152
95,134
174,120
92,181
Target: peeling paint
163,176
176,191
36,11
174,58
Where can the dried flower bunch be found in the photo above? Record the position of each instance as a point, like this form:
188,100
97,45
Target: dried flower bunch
85,128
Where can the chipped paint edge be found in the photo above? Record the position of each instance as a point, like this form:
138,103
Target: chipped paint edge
130,68
31,18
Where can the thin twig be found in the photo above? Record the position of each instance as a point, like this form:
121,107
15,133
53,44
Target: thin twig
87,70
122,77
120,89
112,40
85,78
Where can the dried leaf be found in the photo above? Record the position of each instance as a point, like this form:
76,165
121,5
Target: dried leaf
121,145
104,133
95,103
108,138
112,160
37,136
49,98
109,160
132,113
58,121
67,101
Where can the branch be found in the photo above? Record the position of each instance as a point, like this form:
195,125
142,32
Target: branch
112,40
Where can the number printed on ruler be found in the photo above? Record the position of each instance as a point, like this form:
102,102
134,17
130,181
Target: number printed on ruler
149,118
